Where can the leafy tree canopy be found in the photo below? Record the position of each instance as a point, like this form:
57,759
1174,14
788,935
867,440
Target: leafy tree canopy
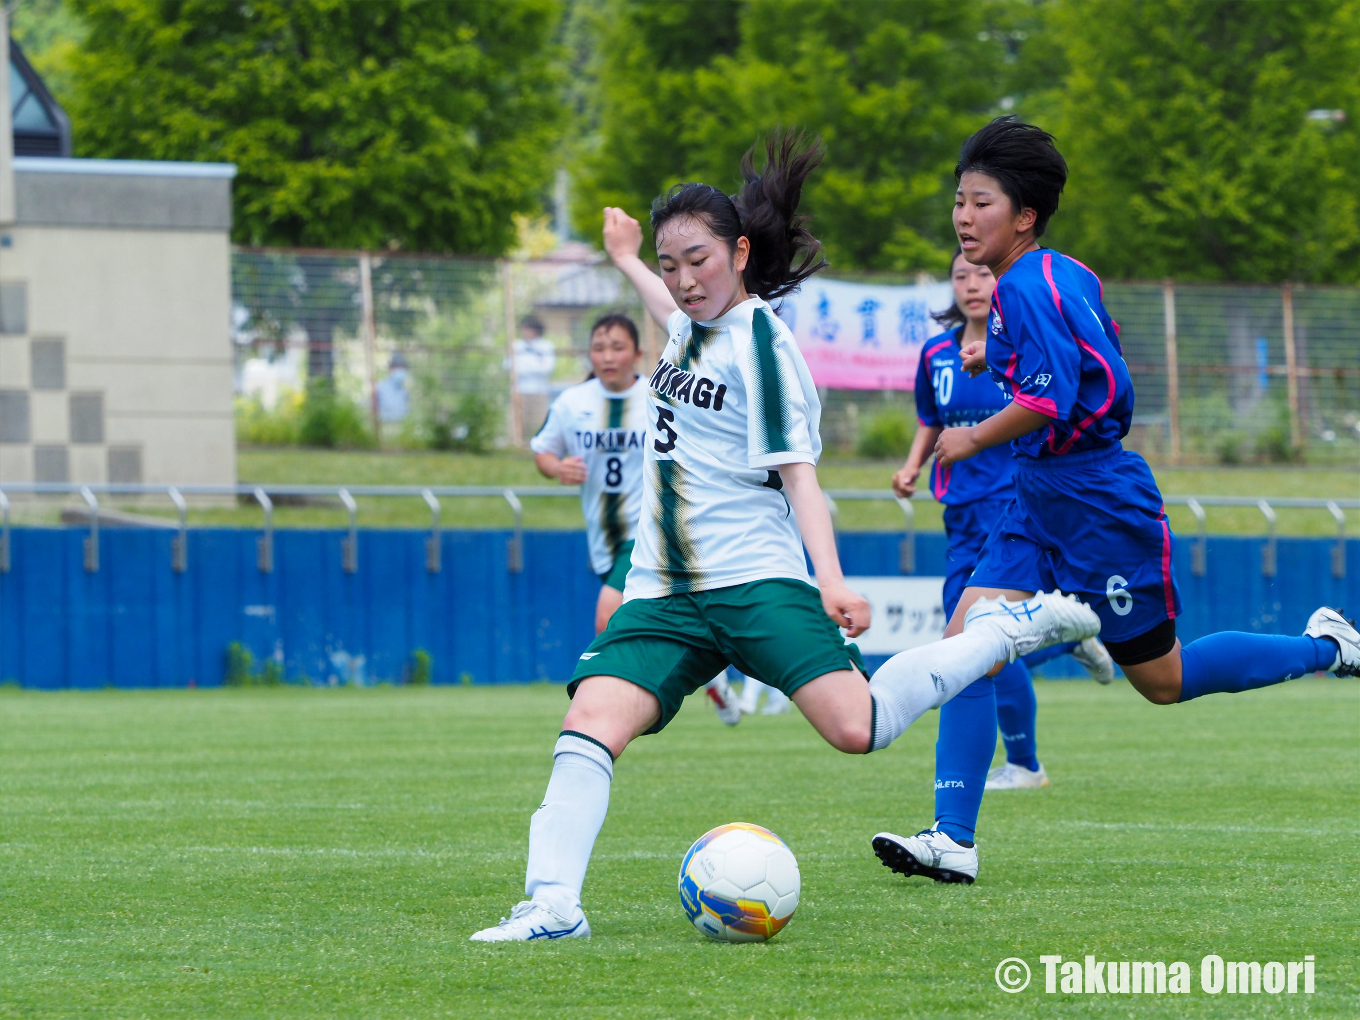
891,86
1187,127
404,123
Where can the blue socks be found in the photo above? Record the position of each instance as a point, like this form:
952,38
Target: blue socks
963,754
1016,711
1232,661
1036,659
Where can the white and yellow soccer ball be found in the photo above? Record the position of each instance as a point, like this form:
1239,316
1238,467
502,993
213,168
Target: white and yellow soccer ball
739,883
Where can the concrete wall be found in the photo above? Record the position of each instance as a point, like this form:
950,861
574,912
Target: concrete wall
114,339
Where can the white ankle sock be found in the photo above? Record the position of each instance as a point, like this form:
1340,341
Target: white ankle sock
563,829
913,682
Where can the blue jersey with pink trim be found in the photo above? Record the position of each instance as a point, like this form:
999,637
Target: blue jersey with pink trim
1051,343
948,397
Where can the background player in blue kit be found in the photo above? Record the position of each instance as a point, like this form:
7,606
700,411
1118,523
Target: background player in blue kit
1087,516
974,494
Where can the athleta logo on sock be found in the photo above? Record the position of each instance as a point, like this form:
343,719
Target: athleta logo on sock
937,680
949,784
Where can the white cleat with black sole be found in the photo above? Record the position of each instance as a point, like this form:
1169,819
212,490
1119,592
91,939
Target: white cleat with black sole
1329,623
930,853
1016,777
724,699
1092,654
531,922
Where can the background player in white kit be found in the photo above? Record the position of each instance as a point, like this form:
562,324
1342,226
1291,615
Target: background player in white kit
594,437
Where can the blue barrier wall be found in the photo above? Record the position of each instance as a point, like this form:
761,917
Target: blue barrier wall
137,623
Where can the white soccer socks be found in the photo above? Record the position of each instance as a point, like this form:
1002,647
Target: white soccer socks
563,830
913,682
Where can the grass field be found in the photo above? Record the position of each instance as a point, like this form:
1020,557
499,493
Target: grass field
332,467
314,853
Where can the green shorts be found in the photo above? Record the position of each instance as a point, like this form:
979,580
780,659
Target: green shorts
774,630
618,573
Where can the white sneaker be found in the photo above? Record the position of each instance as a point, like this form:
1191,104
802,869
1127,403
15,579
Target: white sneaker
1043,619
1015,777
776,702
930,853
530,921
1093,655
750,695
1329,623
724,699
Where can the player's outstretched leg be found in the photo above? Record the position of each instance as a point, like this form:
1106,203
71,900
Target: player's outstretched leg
996,631
1017,718
1231,662
751,690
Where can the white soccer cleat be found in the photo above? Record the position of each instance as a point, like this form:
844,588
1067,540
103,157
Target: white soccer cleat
530,921
930,853
724,699
1043,619
1092,654
776,702
1329,623
1015,777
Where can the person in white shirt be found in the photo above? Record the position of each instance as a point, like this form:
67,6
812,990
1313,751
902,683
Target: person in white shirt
535,360
730,501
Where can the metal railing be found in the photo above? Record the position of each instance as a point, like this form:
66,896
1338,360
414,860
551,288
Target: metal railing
514,495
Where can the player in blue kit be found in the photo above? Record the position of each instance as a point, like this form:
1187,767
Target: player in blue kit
1087,516
975,494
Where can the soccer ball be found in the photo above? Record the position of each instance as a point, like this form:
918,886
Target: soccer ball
739,883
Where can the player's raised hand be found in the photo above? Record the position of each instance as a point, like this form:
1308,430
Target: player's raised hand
622,234
904,482
847,609
974,357
571,471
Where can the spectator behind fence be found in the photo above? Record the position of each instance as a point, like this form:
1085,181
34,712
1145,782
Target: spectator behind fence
535,359
394,393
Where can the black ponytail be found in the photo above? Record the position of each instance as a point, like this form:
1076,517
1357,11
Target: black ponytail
764,211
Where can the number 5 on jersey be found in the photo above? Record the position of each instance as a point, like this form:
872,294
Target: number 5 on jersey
664,416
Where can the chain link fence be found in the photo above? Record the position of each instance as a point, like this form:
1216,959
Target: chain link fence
416,351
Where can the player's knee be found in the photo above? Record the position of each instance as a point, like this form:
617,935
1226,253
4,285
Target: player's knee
1161,694
851,736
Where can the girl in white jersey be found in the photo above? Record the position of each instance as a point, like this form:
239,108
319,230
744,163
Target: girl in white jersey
594,437
730,500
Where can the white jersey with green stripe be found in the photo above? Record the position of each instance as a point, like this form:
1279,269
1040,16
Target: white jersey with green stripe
609,432
731,400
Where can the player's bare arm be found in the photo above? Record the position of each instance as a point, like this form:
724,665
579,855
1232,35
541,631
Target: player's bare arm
922,446
959,444
805,495
622,242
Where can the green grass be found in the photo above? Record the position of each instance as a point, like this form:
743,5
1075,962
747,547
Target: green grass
317,853
330,467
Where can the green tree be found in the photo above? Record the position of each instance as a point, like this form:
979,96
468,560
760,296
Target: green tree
1186,124
892,87
407,123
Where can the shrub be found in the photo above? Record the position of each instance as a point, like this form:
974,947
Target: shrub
264,427
239,665
330,419
887,434
418,672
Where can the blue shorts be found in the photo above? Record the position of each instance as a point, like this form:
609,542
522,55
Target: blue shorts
1090,523
966,527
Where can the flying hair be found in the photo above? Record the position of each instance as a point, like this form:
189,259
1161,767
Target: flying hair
764,211
1023,159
